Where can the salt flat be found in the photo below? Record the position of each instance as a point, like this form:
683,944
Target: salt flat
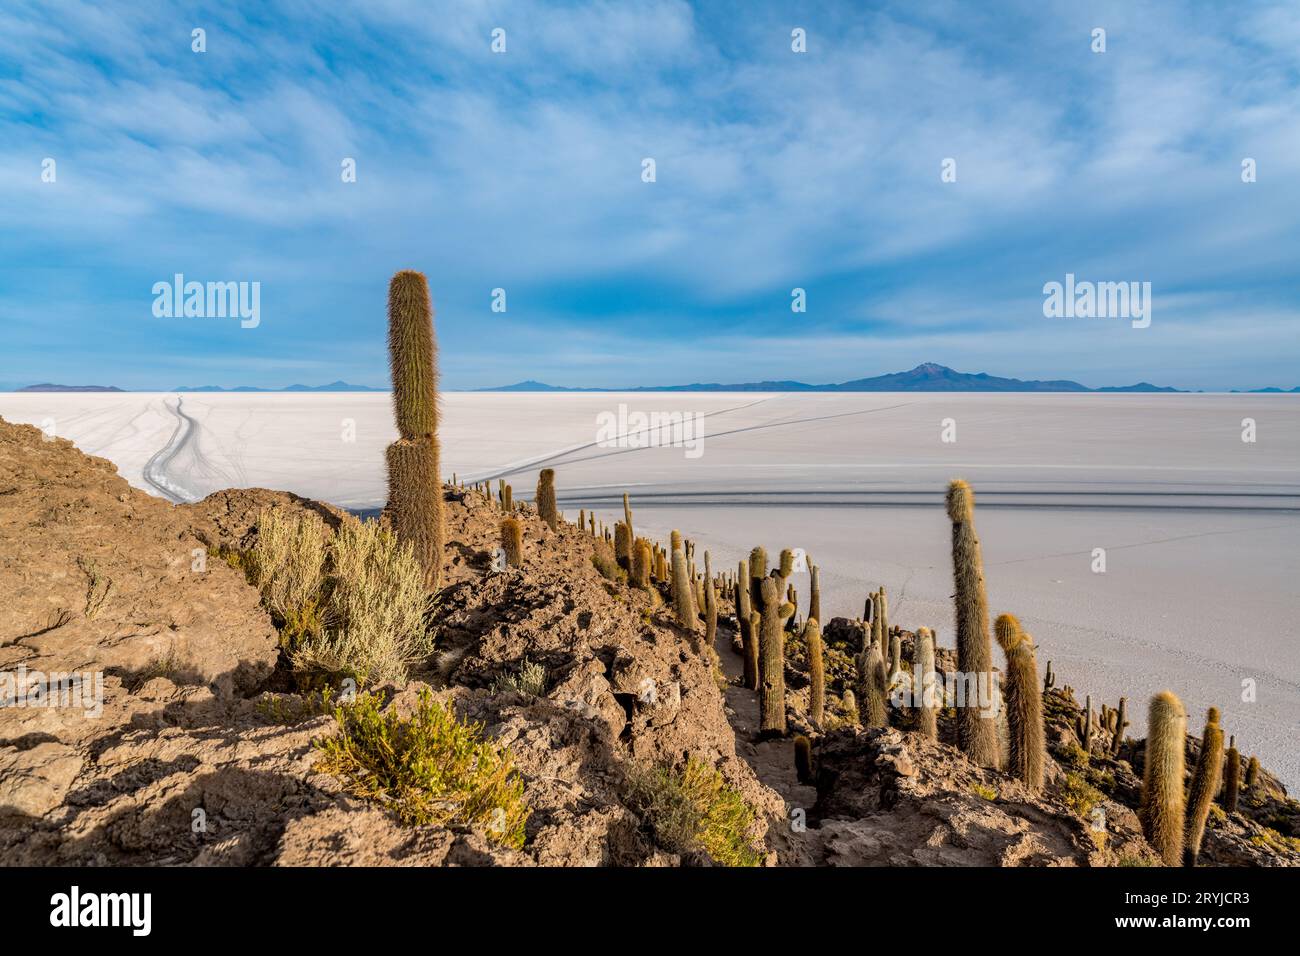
1199,528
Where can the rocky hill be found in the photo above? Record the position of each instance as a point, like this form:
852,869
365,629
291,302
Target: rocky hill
187,738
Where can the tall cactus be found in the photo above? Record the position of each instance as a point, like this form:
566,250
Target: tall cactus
976,735
771,646
414,480
512,541
873,686
683,607
925,688
627,517
1162,809
1083,726
748,636
546,507
814,593
1232,783
812,635
1117,740
710,604
641,561
1252,773
1024,701
623,545
1205,784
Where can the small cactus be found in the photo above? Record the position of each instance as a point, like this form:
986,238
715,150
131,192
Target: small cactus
546,507
812,635
1049,679
1232,781
623,545
1083,726
849,703
803,765
710,604
771,651
925,688
1024,702
512,541
683,608
641,565
1252,773
748,636
814,594
1117,738
1205,784
1162,809
976,735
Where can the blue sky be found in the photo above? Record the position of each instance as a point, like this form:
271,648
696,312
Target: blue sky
775,170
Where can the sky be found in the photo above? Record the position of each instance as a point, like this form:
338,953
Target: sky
774,169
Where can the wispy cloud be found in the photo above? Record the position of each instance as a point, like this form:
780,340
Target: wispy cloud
775,170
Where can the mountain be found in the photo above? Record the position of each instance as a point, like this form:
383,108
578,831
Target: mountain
926,377
47,387
331,387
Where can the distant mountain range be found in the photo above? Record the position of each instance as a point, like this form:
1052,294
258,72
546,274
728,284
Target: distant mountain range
331,387
47,387
927,377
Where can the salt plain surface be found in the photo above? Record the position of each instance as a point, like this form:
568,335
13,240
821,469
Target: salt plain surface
1200,529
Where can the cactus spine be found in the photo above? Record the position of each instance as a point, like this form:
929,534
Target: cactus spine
812,635
512,541
414,480
1024,701
546,507
1205,784
925,689
1232,784
1162,810
976,735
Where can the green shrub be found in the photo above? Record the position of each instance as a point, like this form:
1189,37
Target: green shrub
1079,795
694,809
428,768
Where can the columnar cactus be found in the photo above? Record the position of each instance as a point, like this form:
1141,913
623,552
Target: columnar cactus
710,604
895,656
1117,740
627,517
512,541
1083,726
1232,782
414,480
1024,702
812,635
976,735
771,646
748,636
641,564
925,690
814,593
1049,679
623,545
1205,784
1162,809
850,705
683,608
546,507
1252,773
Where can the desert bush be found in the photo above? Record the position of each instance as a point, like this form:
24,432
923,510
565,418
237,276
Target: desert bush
375,616
428,768
1079,795
287,563
694,809
529,680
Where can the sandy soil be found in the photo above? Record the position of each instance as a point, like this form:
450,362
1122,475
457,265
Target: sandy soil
1199,527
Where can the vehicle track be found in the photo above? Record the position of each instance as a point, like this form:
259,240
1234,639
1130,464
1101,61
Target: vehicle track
155,469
